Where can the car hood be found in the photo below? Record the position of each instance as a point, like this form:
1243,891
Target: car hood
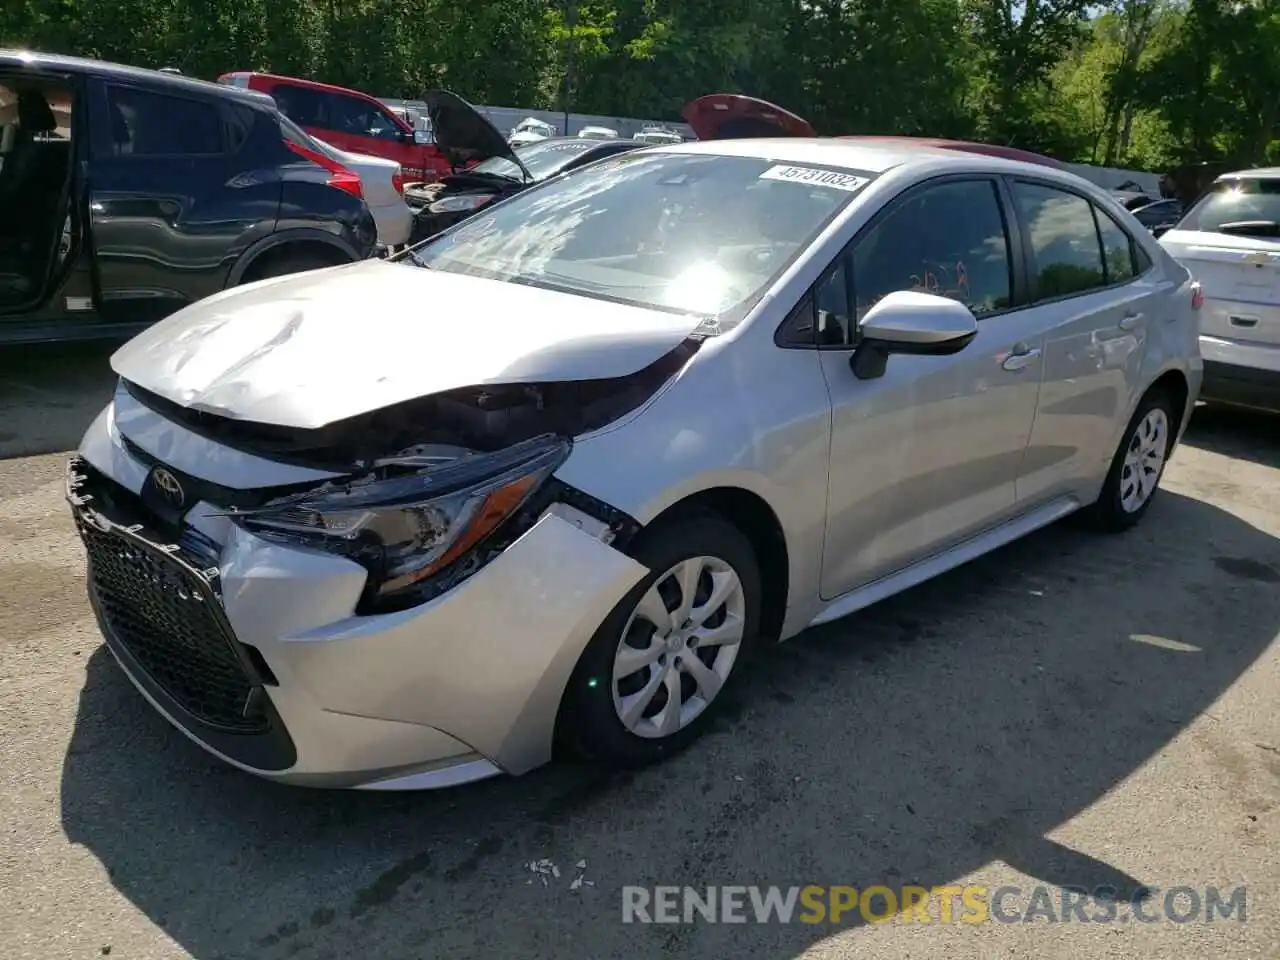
314,348
732,116
462,134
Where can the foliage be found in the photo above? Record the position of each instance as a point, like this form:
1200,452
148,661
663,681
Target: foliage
1143,83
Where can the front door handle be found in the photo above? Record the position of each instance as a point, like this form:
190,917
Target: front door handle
1021,358
1130,320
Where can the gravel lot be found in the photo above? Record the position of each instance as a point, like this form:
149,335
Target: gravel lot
1073,710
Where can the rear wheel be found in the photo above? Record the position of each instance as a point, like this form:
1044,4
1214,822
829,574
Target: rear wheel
1138,464
287,262
658,666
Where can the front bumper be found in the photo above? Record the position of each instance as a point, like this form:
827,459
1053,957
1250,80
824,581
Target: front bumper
253,650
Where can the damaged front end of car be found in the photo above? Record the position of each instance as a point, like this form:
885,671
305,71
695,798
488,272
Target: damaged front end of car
428,491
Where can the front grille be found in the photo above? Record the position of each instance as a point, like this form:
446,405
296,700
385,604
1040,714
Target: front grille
164,612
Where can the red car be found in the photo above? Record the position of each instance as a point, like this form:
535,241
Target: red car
349,120
720,116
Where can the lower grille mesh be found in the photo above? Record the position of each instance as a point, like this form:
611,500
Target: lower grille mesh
157,608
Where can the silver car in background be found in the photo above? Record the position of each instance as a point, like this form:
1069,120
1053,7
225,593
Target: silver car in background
1230,241
382,184
554,475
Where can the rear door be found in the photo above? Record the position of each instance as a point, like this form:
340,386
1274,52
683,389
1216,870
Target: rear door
1095,297
173,199
1230,241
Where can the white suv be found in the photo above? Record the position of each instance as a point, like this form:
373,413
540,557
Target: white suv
1230,241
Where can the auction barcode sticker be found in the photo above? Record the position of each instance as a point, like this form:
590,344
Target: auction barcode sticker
813,176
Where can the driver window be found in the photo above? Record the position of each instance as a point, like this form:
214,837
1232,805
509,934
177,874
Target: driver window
834,327
357,118
948,240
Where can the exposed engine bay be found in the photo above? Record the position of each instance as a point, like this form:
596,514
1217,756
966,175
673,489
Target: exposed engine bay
479,419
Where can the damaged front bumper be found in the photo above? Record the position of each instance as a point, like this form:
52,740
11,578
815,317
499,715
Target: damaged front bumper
254,650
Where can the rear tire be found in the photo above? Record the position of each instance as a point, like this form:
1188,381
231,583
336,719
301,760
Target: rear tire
682,670
1138,464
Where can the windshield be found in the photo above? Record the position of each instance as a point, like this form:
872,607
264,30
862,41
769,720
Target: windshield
686,233
1236,201
543,159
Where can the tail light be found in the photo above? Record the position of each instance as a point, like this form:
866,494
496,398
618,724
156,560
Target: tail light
398,181
1197,296
339,176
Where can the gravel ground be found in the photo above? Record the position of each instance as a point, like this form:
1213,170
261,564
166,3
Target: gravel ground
1074,710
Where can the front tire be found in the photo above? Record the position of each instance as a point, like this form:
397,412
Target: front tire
1138,464
658,667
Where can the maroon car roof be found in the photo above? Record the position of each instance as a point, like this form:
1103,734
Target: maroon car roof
969,146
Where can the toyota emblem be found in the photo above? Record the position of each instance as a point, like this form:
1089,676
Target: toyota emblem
168,486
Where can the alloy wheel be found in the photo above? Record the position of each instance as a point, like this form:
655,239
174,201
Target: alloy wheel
678,647
1144,460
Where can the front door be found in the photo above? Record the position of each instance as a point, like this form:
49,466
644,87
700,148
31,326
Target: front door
928,454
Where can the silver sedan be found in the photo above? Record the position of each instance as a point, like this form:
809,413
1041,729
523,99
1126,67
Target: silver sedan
553,476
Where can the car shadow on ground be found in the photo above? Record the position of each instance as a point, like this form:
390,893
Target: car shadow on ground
1233,432
50,393
943,729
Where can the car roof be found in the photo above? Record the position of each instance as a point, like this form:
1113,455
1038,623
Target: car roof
176,82
871,157
309,84
1259,173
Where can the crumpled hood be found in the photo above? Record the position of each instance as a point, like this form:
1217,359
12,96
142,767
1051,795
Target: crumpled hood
311,349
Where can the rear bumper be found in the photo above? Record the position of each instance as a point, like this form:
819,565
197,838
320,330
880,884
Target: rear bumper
1241,386
395,223
1240,373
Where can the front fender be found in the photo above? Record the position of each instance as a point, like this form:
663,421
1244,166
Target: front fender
760,423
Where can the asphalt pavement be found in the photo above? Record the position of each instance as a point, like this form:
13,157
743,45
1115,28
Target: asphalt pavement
1076,710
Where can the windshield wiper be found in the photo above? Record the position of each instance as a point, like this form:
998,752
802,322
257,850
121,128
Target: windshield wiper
1251,228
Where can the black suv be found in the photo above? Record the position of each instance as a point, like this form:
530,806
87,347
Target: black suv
126,194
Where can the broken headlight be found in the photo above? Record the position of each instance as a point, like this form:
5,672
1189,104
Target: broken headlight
407,527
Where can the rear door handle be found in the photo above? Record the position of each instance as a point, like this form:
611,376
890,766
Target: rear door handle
1021,358
1130,320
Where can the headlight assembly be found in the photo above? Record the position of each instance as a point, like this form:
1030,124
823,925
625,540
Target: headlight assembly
461,203
407,527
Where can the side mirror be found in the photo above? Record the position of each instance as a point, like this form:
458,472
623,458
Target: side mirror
422,138
910,322
1161,230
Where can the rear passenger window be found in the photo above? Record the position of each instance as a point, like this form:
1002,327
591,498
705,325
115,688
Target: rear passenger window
143,123
1117,249
1067,257
302,105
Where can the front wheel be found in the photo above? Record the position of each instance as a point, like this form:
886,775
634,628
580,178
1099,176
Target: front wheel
1138,464
658,666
